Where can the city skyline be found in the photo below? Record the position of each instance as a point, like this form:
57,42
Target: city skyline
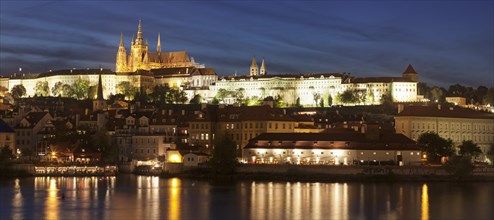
447,43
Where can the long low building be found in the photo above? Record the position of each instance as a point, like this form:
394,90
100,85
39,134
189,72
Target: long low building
346,147
450,122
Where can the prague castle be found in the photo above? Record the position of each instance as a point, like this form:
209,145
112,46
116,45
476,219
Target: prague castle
146,69
140,58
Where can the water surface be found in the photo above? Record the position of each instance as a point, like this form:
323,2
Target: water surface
140,197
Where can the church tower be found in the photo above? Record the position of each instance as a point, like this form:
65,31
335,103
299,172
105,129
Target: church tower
158,46
411,74
263,70
139,50
99,103
121,57
254,70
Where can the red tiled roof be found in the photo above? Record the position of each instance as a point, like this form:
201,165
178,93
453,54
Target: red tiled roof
444,111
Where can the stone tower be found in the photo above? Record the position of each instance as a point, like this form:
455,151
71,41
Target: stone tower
158,46
121,57
411,74
263,70
139,52
254,69
99,103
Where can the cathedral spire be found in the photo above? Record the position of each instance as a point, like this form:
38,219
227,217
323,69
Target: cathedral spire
254,70
263,70
139,39
158,47
121,40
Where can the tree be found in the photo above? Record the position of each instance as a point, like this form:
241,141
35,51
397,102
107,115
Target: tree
56,90
126,89
468,148
435,147
316,96
81,89
6,153
297,102
197,99
92,92
489,97
224,158
222,94
68,91
347,96
330,100
459,166
41,88
18,91
437,94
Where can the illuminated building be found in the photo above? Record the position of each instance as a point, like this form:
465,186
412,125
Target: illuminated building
453,122
146,69
333,148
310,89
140,58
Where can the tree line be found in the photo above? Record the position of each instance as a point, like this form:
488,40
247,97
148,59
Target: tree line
480,95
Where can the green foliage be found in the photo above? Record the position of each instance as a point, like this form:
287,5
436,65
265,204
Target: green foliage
18,91
197,99
224,158
330,100
435,147
468,148
41,88
459,166
93,90
127,89
56,90
81,89
437,94
279,102
68,91
352,96
316,96
163,94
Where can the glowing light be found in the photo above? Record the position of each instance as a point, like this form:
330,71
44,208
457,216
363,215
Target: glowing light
175,159
425,202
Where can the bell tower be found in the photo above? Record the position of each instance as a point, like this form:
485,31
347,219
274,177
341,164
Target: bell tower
254,69
121,65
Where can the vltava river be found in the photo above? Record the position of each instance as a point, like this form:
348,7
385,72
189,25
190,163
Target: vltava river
139,197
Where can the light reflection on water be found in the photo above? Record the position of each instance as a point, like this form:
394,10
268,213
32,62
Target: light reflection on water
140,197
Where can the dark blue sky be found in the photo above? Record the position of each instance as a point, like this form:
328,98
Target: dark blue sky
446,41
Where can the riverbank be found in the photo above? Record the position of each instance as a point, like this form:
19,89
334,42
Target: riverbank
336,174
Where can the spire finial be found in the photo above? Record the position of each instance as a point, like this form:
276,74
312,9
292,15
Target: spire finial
263,67
158,46
121,40
139,39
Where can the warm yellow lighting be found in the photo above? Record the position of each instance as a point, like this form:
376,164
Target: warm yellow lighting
425,202
337,152
175,159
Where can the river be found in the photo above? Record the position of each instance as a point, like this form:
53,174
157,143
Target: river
141,197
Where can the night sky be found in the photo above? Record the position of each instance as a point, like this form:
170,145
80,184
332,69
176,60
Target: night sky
446,41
